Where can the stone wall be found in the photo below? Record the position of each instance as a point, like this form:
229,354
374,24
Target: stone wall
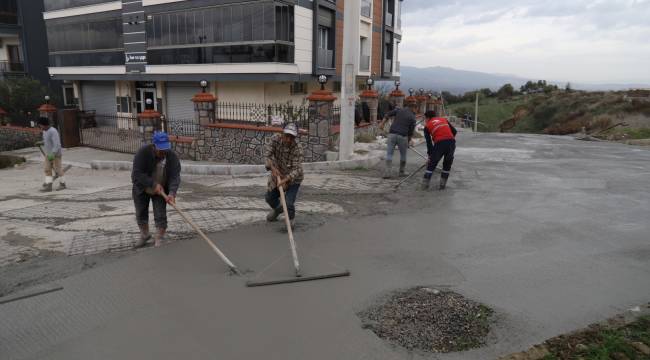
14,137
246,144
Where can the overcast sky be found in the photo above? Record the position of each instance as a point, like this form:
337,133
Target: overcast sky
563,40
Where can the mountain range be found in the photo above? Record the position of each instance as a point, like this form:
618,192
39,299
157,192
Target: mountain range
440,78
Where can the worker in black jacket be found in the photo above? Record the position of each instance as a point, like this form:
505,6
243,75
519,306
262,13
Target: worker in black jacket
400,135
156,170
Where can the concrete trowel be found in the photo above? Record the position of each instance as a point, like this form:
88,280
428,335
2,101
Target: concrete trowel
298,275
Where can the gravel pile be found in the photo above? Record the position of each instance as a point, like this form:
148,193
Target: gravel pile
429,320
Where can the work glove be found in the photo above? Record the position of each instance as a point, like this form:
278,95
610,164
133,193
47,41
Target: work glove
50,157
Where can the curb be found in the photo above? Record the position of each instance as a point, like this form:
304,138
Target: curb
40,159
193,169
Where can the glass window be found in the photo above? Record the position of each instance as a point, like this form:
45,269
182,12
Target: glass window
104,34
247,25
269,22
237,24
222,54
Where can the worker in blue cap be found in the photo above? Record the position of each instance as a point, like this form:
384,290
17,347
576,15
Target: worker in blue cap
156,170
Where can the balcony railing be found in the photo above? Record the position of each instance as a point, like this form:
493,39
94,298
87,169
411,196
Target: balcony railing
388,66
366,8
9,67
326,58
364,63
389,19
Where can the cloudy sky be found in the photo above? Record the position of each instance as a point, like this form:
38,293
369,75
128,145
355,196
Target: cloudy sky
605,41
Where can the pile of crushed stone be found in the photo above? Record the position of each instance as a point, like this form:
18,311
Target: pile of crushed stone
429,320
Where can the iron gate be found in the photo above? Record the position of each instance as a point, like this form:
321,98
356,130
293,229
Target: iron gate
111,132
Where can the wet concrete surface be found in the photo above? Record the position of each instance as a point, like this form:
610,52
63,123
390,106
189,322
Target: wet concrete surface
550,232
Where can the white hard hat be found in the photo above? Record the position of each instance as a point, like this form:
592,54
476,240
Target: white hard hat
291,129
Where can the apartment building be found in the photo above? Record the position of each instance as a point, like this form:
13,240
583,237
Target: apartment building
23,47
114,55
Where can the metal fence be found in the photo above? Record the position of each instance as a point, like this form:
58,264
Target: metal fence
111,132
262,114
181,127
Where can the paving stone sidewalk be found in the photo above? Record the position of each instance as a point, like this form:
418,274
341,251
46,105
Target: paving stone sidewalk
89,219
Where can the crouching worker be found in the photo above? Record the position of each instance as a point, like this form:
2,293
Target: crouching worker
284,157
156,170
52,149
441,142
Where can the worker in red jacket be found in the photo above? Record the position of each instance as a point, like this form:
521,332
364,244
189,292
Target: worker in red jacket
441,142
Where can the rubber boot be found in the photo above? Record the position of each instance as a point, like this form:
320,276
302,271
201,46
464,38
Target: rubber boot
402,168
389,164
47,187
160,236
273,214
425,183
443,183
144,236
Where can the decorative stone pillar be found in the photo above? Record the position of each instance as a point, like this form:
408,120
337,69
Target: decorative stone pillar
422,101
396,97
411,99
48,111
204,106
321,118
149,121
431,102
371,97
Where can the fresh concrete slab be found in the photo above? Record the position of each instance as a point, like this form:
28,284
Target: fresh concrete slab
552,241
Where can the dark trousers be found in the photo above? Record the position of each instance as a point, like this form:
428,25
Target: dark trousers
141,200
446,149
290,195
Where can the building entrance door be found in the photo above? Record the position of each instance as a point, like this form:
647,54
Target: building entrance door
141,96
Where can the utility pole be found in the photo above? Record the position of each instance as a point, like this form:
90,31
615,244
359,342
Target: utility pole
476,114
351,19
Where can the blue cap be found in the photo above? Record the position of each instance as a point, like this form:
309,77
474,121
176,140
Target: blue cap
161,140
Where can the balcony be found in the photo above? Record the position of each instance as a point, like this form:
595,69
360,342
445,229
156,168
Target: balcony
388,66
364,63
11,67
325,59
389,19
366,8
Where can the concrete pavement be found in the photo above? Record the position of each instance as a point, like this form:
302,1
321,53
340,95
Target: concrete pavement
550,232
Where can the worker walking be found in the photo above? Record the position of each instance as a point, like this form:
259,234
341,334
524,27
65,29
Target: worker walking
441,142
53,156
156,170
400,135
284,157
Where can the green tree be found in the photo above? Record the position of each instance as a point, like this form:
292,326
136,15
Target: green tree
568,88
506,91
21,97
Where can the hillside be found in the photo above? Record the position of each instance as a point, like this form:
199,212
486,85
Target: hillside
609,115
456,81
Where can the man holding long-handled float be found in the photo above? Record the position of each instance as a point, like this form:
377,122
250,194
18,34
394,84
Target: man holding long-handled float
156,171
284,157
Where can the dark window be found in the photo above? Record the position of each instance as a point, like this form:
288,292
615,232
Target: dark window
222,54
88,59
8,12
96,35
298,88
68,95
207,27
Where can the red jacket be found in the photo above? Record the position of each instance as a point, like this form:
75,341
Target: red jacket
440,129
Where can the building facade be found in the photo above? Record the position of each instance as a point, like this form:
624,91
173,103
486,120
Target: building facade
115,55
23,44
